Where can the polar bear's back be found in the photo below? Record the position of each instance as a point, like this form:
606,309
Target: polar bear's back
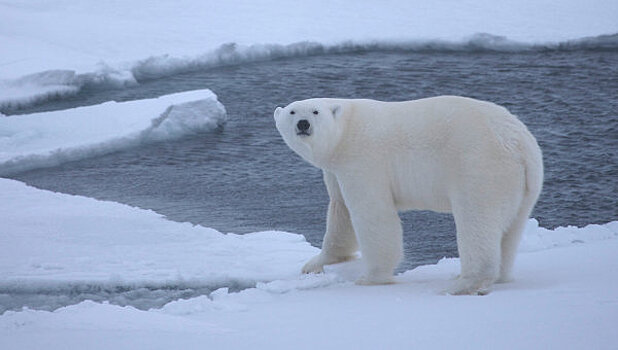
444,143
435,122
451,109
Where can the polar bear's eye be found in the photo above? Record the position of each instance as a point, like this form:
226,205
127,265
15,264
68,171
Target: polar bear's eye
292,112
315,112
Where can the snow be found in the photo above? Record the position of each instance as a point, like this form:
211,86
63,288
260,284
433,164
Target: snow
116,43
565,294
50,138
58,240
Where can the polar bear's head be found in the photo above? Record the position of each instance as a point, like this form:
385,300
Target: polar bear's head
312,128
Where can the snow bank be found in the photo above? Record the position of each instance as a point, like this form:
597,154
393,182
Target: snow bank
537,238
564,298
58,83
114,44
42,86
57,243
50,138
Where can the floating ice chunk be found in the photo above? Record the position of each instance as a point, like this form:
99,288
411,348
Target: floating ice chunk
51,138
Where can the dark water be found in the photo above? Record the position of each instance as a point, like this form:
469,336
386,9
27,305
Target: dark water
140,297
242,178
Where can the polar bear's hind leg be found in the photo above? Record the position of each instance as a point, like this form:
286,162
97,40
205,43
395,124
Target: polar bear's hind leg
512,236
510,243
478,243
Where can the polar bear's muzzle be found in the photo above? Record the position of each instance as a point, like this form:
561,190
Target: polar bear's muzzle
303,128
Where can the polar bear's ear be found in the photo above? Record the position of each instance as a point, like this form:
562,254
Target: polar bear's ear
336,110
278,110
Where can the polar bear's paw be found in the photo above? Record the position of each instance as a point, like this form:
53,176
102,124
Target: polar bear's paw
315,265
373,281
375,277
468,286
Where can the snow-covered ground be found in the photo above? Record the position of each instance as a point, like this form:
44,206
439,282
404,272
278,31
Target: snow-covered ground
51,48
565,297
57,240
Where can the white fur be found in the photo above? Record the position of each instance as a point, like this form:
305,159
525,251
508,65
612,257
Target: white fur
447,154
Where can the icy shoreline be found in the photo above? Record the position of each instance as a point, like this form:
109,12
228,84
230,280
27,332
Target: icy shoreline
58,239
562,297
41,86
61,241
64,248
113,45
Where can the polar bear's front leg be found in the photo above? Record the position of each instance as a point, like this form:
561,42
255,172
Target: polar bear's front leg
380,237
339,241
378,227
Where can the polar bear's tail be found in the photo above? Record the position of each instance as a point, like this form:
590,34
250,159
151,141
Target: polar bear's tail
533,162
532,159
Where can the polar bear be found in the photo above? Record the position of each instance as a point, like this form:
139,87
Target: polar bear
446,154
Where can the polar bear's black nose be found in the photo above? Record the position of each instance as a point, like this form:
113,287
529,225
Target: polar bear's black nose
303,125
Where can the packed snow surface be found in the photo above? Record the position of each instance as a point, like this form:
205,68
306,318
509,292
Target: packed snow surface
57,239
565,297
117,43
50,138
